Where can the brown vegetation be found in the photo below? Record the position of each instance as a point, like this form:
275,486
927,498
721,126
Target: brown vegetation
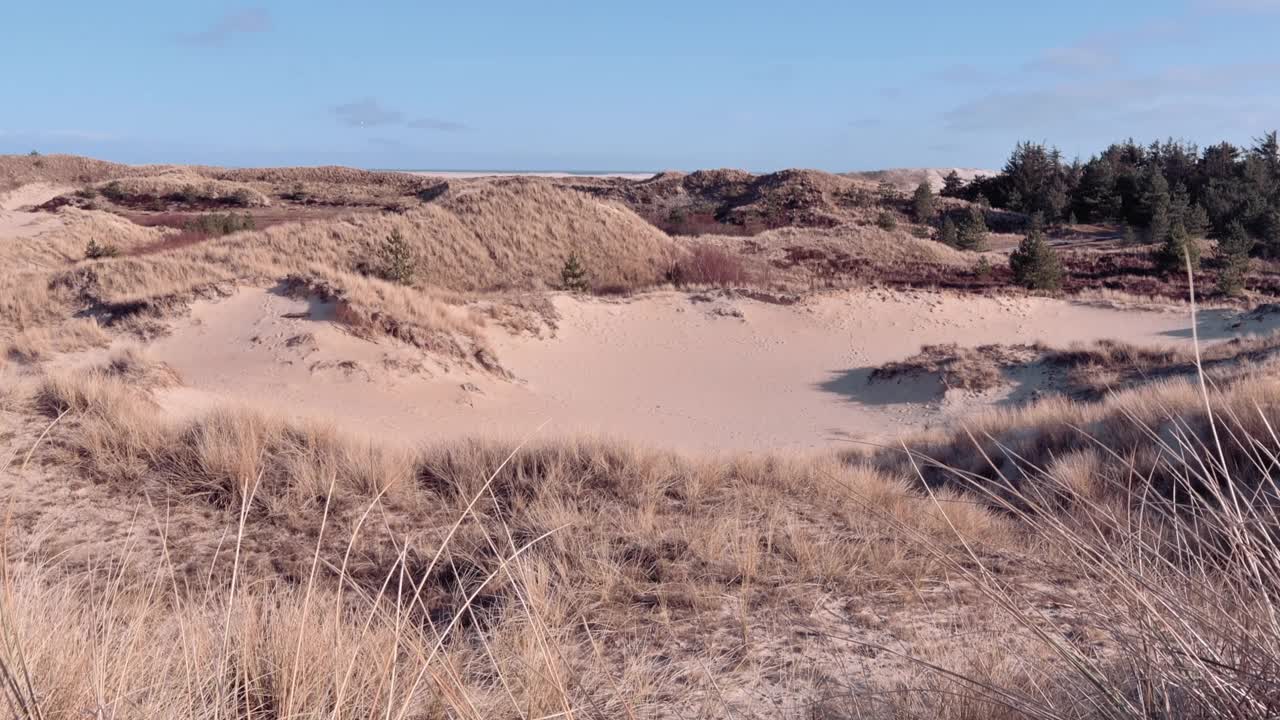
959,368
490,580
236,564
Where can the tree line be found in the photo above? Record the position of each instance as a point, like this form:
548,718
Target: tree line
1173,192
1165,189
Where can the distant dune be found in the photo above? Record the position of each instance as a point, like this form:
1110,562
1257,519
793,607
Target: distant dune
909,178
470,174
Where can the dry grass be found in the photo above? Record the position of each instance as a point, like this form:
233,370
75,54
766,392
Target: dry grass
960,368
237,565
31,346
64,243
1173,523
17,170
318,574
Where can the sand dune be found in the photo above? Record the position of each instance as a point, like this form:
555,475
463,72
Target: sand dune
472,174
667,369
16,220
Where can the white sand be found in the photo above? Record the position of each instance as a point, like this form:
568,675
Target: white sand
659,369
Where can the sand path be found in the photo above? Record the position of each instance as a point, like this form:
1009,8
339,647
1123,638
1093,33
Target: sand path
661,369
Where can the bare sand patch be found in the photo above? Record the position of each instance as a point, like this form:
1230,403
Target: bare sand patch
710,372
16,218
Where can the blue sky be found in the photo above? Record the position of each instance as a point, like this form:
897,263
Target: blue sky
635,85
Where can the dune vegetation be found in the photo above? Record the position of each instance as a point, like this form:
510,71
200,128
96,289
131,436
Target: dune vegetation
1104,550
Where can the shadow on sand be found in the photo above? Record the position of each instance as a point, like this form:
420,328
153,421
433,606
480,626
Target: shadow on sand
1211,324
1021,384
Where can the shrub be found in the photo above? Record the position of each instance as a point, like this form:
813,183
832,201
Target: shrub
434,192
708,265
396,261
242,198
114,192
1035,264
573,276
217,224
95,251
886,220
187,194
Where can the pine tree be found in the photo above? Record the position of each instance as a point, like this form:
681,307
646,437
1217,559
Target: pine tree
972,232
1128,236
1270,232
1035,264
1233,256
396,260
983,268
1156,206
952,185
947,233
1197,222
96,251
922,205
573,277
1177,249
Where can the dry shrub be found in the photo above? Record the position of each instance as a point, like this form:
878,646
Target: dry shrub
708,264
960,368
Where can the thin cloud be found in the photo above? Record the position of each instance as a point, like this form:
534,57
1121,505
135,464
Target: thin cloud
1102,51
1074,58
88,135
388,143
1073,104
366,112
866,123
963,73
369,112
437,124
1239,6
225,29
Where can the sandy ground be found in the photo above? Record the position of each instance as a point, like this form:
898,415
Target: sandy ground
664,369
15,219
470,174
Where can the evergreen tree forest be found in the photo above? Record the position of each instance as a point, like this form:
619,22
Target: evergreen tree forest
1161,189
